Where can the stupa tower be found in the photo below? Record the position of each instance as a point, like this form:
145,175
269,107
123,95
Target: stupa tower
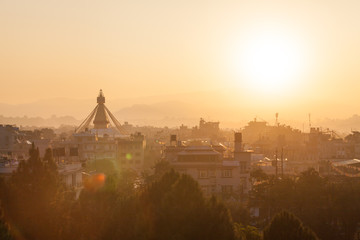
101,115
101,120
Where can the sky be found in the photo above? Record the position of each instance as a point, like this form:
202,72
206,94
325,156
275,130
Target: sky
290,55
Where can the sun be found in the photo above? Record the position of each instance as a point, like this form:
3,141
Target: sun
270,62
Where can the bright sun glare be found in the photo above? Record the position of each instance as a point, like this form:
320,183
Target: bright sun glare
270,62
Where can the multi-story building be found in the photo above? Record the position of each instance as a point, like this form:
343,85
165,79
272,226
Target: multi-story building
130,151
92,147
206,129
229,177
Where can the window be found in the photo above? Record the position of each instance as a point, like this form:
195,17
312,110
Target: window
226,173
203,174
212,173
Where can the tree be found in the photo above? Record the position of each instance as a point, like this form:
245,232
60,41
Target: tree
272,196
286,226
181,212
329,206
4,229
107,212
258,174
247,232
160,168
33,198
171,207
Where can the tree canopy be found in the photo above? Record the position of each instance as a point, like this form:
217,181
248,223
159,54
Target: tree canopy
286,226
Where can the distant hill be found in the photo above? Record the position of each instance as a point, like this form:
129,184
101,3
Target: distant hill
231,108
172,113
53,121
342,125
162,110
80,108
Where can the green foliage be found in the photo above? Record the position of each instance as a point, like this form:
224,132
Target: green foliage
32,198
49,160
4,229
272,196
97,214
329,206
160,168
172,207
258,174
247,232
240,212
286,226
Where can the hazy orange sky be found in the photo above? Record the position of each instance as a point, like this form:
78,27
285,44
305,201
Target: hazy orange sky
139,48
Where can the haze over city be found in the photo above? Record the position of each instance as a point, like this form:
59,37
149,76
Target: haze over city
256,59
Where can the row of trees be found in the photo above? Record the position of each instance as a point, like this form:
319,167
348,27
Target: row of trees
163,205
329,205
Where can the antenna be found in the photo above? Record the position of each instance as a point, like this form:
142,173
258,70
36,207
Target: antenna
277,119
309,121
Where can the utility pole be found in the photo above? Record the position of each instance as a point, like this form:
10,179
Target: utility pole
276,163
282,163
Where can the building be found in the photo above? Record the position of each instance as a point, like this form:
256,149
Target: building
71,174
216,174
14,147
130,151
206,129
101,136
92,147
13,143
